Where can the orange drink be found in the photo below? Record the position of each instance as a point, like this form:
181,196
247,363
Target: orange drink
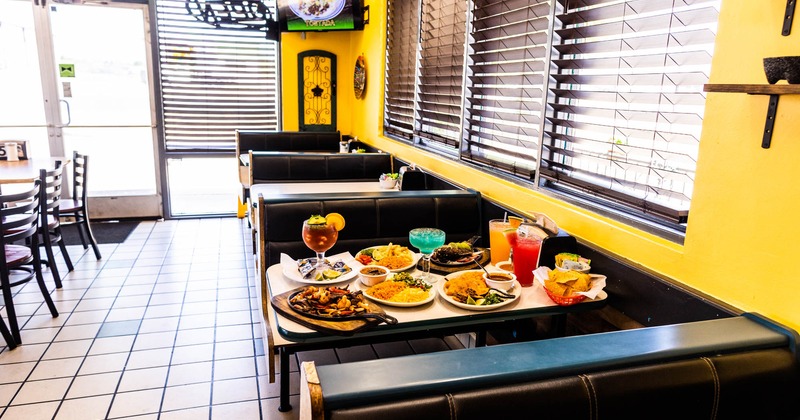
498,245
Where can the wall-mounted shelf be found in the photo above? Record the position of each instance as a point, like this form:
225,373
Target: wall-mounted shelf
774,92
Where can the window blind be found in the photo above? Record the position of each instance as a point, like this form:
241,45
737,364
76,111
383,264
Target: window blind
441,70
627,100
508,53
401,67
213,80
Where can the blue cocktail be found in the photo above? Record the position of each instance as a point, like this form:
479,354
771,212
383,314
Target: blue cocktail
426,240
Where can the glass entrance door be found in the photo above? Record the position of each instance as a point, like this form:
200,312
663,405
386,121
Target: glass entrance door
98,98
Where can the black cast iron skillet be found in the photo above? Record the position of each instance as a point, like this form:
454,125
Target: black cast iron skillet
360,315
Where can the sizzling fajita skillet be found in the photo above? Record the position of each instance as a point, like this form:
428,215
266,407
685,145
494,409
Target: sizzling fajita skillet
342,324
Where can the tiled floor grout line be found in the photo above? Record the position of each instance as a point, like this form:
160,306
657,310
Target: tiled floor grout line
228,299
39,360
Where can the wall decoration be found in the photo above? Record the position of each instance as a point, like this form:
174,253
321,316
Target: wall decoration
360,77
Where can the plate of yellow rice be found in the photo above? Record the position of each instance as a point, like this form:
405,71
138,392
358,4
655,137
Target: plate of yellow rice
400,293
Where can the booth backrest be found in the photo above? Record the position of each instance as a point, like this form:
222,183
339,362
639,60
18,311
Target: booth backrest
287,141
303,167
373,218
732,368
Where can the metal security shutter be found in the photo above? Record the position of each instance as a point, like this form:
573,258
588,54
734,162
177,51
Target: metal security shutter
508,55
213,81
627,100
401,67
441,71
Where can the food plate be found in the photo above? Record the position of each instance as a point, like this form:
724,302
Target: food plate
294,275
515,290
431,296
304,9
464,261
415,257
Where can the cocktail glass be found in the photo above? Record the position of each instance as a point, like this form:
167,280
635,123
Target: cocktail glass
426,240
526,243
499,248
320,238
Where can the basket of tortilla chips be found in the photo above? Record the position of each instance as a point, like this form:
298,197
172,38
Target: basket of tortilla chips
569,287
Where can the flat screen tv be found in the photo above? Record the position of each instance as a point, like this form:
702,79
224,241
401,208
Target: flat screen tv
321,15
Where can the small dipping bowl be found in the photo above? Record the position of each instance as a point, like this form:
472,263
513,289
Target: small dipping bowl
579,266
505,266
500,280
373,274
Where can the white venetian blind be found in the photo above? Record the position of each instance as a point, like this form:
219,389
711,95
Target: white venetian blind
401,67
507,66
627,100
213,80
441,70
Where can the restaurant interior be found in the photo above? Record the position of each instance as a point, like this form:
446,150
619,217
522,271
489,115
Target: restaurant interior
667,180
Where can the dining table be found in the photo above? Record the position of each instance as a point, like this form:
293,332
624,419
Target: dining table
27,170
274,189
285,336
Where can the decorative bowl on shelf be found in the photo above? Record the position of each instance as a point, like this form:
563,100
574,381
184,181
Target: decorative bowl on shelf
780,68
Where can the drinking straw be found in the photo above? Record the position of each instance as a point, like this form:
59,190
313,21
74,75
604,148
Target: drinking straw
505,217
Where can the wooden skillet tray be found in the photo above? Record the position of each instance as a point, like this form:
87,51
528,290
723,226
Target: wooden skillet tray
337,326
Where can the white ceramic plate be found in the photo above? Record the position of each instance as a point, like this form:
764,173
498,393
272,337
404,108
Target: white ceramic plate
515,290
431,296
414,259
294,275
334,8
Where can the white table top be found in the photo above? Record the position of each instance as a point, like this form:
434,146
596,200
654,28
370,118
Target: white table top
281,188
436,313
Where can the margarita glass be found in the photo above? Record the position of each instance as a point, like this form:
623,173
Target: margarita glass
426,240
320,234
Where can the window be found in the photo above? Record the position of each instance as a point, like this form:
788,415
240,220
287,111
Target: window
425,70
214,80
506,84
627,100
401,67
441,71
597,99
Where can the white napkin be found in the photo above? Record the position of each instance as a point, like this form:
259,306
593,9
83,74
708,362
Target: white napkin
598,281
289,264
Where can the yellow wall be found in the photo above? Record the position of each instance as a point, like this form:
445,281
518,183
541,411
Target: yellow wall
337,43
739,245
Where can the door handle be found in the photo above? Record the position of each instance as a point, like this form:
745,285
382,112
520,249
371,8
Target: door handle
69,114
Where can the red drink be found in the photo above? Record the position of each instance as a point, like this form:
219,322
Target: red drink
526,259
319,238
525,243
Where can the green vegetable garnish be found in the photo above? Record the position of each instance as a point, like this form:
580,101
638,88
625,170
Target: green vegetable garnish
317,220
411,281
491,299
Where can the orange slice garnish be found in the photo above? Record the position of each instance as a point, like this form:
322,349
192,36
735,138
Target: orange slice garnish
336,220
515,221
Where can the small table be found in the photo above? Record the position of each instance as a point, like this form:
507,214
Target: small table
283,188
286,336
23,171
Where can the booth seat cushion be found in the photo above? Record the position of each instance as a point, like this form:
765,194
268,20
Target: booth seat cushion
371,218
286,167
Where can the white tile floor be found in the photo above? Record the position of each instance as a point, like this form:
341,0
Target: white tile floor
165,326
162,327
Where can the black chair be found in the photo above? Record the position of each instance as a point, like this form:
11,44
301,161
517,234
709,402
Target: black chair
19,223
50,227
78,206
